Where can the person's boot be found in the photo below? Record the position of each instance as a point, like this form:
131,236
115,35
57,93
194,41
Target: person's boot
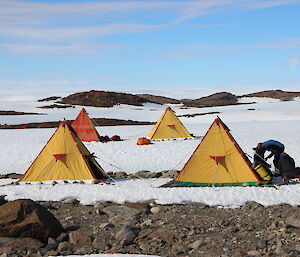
285,180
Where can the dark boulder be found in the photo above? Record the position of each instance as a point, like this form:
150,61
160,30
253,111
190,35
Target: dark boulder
26,218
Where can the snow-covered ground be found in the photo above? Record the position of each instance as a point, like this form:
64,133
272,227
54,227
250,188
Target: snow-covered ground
266,109
143,190
270,119
19,148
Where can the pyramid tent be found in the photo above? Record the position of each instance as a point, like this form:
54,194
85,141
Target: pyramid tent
168,126
64,157
84,127
218,160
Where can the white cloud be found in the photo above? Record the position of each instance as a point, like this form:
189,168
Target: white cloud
268,4
14,90
196,51
11,89
46,49
45,25
196,8
294,62
17,10
63,34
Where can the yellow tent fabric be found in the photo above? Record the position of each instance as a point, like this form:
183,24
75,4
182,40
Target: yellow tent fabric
168,126
64,157
218,160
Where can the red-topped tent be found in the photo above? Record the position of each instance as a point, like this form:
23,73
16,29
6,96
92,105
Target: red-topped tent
85,128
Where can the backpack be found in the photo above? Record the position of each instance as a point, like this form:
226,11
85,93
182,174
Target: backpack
285,163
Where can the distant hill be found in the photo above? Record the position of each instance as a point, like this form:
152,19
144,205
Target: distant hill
109,99
159,99
19,113
217,99
277,94
51,98
103,99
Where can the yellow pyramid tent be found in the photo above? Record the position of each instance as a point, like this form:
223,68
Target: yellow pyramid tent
64,157
218,160
168,126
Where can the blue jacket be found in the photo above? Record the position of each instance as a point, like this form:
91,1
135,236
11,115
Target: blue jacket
272,145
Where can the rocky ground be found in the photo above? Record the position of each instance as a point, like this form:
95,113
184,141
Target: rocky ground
166,230
192,229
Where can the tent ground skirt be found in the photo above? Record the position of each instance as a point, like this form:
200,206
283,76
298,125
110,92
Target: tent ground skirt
192,184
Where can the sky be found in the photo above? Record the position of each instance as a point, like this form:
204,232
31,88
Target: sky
174,48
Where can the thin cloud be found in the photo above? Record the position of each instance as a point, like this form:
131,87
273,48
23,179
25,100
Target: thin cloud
61,34
45,49
196,51
53,27
185,9
23,11
268,4
294,62
198,8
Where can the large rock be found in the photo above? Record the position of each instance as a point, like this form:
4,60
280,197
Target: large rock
170,173
2,200
137,206
294,220
79,237
164,234
26,218
120,211
147,174
123,220
127,234
8,244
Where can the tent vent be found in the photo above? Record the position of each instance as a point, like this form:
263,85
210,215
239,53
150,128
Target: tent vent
217,159
59,156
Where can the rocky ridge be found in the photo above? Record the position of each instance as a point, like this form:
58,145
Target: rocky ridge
109,99
97,121
276,94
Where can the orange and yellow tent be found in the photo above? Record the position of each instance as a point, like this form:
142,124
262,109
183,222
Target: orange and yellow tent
85,128
64,157
168,126
218,160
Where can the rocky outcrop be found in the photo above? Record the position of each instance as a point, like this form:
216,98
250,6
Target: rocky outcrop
98,122
276,94
103,99
28,219
159,99
218,99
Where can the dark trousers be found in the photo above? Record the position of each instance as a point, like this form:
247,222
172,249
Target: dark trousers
277,157
291,173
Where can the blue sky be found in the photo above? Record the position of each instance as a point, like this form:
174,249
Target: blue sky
150,46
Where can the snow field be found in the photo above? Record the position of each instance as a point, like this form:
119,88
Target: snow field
271,119
143,190
19,148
